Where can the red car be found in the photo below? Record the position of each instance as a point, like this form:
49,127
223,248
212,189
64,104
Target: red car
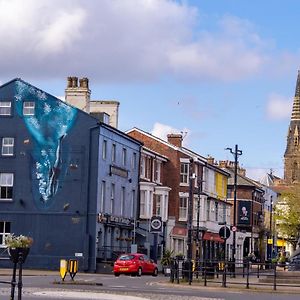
135,264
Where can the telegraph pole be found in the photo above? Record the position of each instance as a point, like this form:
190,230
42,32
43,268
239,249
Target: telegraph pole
236,153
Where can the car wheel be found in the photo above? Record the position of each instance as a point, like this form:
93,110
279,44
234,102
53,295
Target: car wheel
155,272
139,272
117,274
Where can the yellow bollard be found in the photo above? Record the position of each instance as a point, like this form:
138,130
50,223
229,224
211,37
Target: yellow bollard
73,267
63,269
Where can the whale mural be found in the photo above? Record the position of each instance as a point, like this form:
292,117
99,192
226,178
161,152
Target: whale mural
48,127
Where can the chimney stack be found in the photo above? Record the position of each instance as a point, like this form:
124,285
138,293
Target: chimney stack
175,139
78,96
210,160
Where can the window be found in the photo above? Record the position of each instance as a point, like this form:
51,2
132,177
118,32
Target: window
4,231
28,108
148,169
143,167
104,149
157,207
156,170
216,211
102,197
5,108
7,146
207,210
183,201
143,204
122,200
113,153
133,161
124,156
6,186
184,173
112,198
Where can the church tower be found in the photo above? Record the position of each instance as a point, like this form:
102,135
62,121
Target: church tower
292,152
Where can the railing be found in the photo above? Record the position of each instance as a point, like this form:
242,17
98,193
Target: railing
228,273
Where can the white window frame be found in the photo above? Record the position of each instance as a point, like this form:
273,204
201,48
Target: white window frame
143,202
4,233
143,167
183,208
5,108
158,204
7,148
6,182
156,170
28,108
184,173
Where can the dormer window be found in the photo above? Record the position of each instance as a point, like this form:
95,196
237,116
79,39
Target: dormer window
28,108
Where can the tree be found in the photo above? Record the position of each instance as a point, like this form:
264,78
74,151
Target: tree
287,215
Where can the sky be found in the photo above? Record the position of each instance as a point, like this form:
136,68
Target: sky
221,72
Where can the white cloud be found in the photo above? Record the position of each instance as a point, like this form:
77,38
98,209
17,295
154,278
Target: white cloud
162,130
124,40
278,107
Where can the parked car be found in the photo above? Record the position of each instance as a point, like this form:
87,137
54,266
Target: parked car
135,264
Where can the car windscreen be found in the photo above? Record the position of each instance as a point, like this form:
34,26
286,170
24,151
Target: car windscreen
126,257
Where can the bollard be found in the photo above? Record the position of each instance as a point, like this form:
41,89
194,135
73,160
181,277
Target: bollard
73,267
63,270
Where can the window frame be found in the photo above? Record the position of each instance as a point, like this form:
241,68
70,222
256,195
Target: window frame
8,188
184,173
4,233
29,110
183,209
124,156
104,149
3,107
8,146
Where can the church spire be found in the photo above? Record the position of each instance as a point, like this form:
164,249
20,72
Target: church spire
296,104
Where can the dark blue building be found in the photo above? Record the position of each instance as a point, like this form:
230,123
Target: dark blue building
66,179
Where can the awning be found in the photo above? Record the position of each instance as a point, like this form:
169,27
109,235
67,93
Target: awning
180,231
211,236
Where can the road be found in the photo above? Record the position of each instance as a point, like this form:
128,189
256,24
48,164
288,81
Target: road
43,287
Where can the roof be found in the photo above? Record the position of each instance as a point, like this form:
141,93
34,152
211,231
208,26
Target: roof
200,159
242,180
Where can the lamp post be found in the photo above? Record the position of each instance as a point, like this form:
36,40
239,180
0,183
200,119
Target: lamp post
236,153
190,221
271,227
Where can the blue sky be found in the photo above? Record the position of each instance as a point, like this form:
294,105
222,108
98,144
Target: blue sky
222,71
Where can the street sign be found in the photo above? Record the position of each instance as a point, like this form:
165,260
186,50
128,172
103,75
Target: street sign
156,224
233,228
224,232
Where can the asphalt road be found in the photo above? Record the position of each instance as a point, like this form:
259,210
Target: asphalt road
147,287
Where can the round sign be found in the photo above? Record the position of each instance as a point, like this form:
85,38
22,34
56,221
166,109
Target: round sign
224,232
156,224
233,228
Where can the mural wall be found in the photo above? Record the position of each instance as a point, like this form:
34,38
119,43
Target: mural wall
48,127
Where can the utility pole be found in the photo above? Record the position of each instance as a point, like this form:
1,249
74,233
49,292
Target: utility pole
190,221
236,153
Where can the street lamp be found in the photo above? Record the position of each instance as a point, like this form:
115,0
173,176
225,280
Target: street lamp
236,153
190,221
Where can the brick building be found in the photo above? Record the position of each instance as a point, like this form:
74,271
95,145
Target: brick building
209,186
